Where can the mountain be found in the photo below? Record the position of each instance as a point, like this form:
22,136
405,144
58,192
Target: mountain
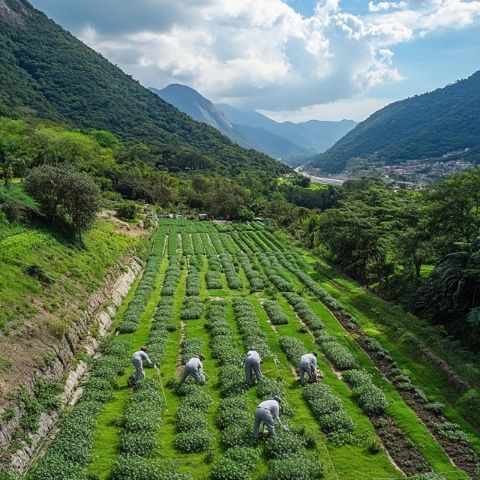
314,135
203,110
289,142
45,72
437,126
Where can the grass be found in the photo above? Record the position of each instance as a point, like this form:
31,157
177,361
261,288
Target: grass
68,273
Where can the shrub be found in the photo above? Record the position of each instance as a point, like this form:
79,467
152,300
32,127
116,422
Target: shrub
275,313
197,440
238,435
228,469
283,444
451,431
135,468
65,195
138,443
188,420
357,378
294,467
128,210
338,421
435,407
192,308
244,455
231,379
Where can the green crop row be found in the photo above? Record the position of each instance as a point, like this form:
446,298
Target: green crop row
209,250
198,247
172,276
233,279
70,453
144,289
230,246
327,408
217,243
255,277
193,279
304,312
187,245
247,321
192,308
275,313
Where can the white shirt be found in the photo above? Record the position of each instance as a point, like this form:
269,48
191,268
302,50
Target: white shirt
196,363
310,359
272,406
253,354
142,356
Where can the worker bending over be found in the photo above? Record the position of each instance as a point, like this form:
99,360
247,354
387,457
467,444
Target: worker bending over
266,413
308,366
137,360
252,365
194,367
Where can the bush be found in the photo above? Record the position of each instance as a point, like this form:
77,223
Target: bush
337,422
370,399
238,435
128,210
283,444
188,420
138,443
135,468
294,467
65,195
244,455
275,313
228,469
197,440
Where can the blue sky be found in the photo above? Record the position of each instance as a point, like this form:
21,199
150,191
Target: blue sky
291,59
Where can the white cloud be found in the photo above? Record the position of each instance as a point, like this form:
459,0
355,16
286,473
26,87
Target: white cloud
260,53
352,109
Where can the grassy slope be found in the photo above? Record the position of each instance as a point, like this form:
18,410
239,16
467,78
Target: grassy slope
46,309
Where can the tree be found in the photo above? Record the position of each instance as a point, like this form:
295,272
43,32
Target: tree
66,196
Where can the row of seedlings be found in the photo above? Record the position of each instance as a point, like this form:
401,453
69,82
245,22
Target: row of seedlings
141,421
275,313
233,418
326,407
256,278
454,441
274,273
172,276
252,245
145,288
233,279
449,435
209,250
70,453
193,277
213,276
368,396
216,242
172,241
198,247
230,246
264,246
193,434
287,450
187,244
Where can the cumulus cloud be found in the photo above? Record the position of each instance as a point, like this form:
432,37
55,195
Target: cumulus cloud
259,53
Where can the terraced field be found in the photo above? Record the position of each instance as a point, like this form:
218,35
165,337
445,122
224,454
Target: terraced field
219,289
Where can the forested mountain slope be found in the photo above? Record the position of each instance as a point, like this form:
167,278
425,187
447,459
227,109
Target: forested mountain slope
432,125
45,72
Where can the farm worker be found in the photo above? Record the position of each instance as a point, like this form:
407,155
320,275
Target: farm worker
308,365
252,365
267,412
137,360
194,367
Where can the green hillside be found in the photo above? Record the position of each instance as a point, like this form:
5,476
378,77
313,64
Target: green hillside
47,73
431,125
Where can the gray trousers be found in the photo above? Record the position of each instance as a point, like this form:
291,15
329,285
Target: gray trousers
252,366
263,416
193,371
139,373
306,368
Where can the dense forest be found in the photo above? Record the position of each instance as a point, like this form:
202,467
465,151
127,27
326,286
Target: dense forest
420,248
431,125
47,73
